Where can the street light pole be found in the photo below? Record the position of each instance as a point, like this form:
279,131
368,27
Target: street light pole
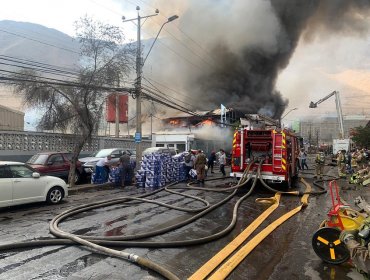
287,114
138,134
156,37
139,66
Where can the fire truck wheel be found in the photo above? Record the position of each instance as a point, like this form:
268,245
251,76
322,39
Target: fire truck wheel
289,182
327,245
296,171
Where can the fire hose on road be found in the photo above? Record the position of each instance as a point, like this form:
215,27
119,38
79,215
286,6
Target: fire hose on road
96,243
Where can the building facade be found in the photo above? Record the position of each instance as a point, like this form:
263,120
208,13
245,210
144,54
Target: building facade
11,119
324,130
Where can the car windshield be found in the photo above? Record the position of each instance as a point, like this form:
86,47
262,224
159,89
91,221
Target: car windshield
132,152
38,159
103,153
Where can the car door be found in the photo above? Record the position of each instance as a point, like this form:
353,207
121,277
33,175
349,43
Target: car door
6,186
26,188
58,167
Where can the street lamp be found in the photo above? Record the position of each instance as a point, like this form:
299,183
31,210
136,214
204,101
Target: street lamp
168,20
286,115
139,66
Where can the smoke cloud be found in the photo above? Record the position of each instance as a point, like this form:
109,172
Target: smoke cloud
242,46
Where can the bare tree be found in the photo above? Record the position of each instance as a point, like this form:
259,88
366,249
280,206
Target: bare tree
77,105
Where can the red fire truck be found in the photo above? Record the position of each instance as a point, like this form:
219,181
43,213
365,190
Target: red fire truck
263,141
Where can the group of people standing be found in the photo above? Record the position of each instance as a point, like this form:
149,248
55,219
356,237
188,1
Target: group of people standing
358,166
197,160
104,165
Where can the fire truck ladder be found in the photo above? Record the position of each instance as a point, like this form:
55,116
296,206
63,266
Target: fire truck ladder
277,153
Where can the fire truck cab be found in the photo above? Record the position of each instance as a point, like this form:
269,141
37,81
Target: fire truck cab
277,149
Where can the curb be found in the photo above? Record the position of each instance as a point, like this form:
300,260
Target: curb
87,187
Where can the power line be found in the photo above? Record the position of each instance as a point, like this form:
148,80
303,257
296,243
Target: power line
38,41
40,70
155,88
39,67
160,42
183,32
171,89
165,97
186,46
39,64
13,80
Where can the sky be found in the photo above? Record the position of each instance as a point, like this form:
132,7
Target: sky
319,65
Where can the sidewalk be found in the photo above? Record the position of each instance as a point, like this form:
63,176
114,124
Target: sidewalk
87,187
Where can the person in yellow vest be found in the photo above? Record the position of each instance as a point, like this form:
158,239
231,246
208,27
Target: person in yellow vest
364,175
320,163
341,163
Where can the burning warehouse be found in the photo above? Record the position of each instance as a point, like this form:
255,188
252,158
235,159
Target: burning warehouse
203,118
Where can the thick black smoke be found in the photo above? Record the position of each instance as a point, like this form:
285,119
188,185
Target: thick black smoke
246,60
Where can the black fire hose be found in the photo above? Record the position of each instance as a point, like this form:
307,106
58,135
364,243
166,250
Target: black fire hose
297,193
95,242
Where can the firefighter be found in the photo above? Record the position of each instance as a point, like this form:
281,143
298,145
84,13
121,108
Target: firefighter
364,175
320,162
200,166
354,161
341,163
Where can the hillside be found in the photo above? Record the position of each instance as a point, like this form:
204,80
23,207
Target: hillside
38,43
23,40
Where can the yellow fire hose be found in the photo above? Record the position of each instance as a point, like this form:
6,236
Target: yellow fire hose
234,261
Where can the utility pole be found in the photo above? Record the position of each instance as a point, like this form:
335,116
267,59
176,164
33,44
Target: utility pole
117,110
139,65
117,115
138,134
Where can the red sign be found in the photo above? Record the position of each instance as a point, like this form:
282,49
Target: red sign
122,107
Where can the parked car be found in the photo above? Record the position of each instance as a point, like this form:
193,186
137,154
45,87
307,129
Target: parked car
20,184
89,163
55,164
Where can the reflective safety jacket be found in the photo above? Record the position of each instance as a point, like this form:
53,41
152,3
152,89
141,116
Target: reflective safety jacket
320,159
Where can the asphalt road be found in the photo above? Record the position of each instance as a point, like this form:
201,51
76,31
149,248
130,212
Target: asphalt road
285,254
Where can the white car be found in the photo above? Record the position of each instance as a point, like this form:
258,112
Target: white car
20,184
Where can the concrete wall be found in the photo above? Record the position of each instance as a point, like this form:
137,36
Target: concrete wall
21,145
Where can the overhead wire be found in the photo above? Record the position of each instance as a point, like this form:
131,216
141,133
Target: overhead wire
149,80
155,88
38,64
184,33
39,70
38,41
184,109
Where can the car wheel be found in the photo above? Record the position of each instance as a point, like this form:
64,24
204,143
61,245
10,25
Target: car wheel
55,195
77,177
